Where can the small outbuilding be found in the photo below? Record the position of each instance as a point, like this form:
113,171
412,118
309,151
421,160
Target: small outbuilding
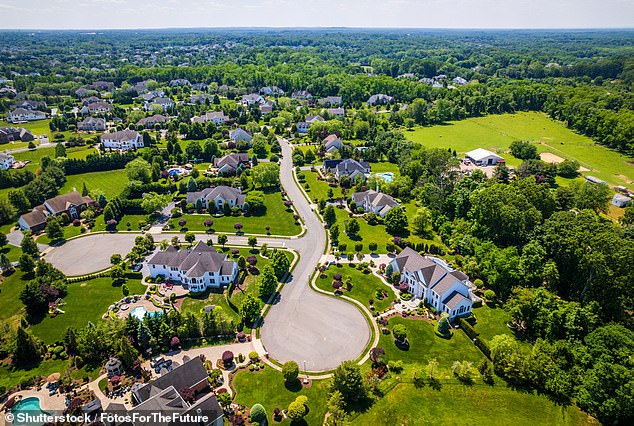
620,200
483,157
114,367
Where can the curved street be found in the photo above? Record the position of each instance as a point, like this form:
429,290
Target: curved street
313,329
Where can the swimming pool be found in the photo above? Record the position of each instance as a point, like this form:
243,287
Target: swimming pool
173,172
387,176
31,406
139,312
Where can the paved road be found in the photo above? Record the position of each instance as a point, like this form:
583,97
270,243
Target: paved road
305,325
302,326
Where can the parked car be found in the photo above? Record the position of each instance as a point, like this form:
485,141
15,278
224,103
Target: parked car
157,361
137,267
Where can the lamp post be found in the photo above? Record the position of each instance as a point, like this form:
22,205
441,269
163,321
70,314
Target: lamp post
305,373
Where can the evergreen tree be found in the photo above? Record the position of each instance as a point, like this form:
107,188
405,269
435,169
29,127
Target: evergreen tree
192,186
28,245
25,349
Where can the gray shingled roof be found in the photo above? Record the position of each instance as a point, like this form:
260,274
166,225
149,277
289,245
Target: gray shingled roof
193,262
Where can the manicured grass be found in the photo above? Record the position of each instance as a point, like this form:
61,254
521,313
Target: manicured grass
496,132
39,127
10,377
86,301
385,167
267,388
110,182
12,252
35,156
69,231
364,285
318,189
479,404
135,221
424,345
491,321
10,288
277,216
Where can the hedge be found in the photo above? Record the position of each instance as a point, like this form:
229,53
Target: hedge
474,336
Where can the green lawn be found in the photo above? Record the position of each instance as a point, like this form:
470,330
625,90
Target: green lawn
267,388
86,301
10,288
318,189
491,321
110,182
364,286
425,345
277,216
69,231
135,220
10,376
496,132
385,167
35,156
479,404
12,252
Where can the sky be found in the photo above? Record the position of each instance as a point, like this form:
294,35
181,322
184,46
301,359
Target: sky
132,14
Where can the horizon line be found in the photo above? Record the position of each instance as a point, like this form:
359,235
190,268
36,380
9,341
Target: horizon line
327,28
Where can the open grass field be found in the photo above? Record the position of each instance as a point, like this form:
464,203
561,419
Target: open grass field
496,132
135,221
39,127
478,404
425,345
491,321
277,216
86,301
10,288
267,388
110,182
364,286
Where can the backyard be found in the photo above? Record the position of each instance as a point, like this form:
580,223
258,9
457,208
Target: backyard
277,217
267,388
110,183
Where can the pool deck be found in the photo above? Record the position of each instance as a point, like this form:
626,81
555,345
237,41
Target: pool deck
149,307
48,403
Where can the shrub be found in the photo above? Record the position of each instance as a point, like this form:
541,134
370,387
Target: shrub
253,356
443,324
290,371
489,295
227,358
400,332
258,413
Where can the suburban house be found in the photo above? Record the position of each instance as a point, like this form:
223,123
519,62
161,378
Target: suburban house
219,196
302,126
217,118
241,135
302,95
149,122
460,81
165,103
201,99
228,165
6,160
20,115
432,280
152,95
332,143
31,105
102,85
251,99
267,107
483,157
92,124
375,202
199,268
271,90
348,167
100,107
336,112
81,92
330,101
71,204
12,134
90,100
619,200
163,396
180,82
124,139
380,99
200,86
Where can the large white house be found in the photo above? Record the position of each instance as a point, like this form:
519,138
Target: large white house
19,115
199,268
124,140
219,196
217,118
375,202
432,280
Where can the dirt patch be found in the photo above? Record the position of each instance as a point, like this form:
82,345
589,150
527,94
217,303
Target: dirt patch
583,169
549,157
83,285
